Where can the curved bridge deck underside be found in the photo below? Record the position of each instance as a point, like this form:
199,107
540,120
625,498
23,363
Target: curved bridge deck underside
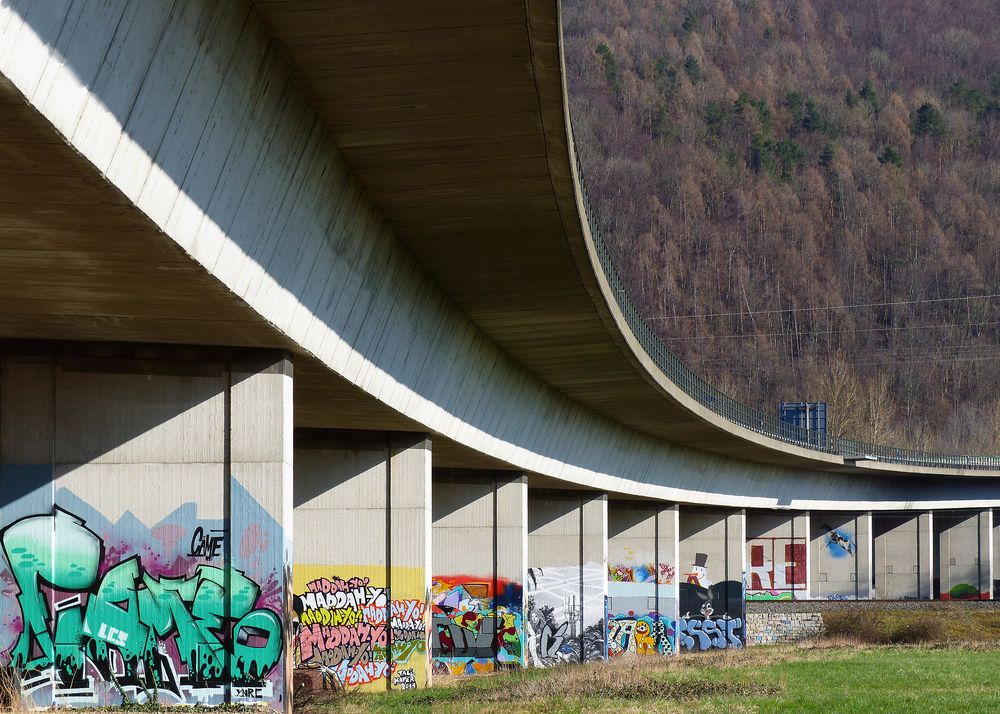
397,208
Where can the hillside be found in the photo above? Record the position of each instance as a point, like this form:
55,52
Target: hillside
804,198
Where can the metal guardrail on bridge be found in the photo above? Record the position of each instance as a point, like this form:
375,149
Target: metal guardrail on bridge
746,416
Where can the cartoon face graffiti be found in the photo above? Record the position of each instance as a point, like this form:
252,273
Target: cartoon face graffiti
638,634
710,617
699,571
645,643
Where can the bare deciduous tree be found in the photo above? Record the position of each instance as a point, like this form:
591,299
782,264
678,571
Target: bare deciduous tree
756,163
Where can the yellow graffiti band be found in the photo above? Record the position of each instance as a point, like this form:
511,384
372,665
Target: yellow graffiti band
330,617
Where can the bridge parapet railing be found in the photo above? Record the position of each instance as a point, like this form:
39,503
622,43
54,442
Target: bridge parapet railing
747,416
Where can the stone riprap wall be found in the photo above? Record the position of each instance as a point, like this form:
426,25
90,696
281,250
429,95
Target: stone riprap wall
769,623
806,606
770,628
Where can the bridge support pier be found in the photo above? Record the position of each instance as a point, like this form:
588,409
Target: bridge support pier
841,555
963,566
642,578
904,555
710,569
480,537
167,471
567,579
362,559
995,553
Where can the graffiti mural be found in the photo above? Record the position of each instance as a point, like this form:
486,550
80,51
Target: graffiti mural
839,543
836,564
474,629
777,568
638,621
644,573
564,614
96,613
710,633
711,613
642,634
351,631
964,591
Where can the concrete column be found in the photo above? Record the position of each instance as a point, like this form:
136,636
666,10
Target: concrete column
642,578
670,538
840,545
903,546
963,562
480,531
986,553
807,595
711,569
777,549
261,511
870,542
927,552
409,573
995,545
374,489
137,477
566,578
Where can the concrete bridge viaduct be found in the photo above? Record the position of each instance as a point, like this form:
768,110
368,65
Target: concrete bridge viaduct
313,367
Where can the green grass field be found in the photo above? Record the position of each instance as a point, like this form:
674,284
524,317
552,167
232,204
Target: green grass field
825,678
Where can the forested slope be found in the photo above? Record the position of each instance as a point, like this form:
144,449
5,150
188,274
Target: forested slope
757,166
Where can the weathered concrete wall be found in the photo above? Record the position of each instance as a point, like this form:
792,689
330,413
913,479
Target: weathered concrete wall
962,562
711,567
841,549
904,556
191,112
146,523
362,559
777,556
566,581
642,578
480,533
